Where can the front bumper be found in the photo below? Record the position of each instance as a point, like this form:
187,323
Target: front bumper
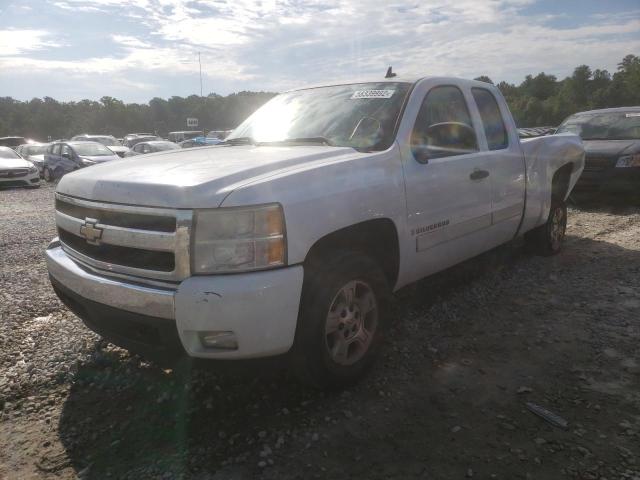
260,308
30,179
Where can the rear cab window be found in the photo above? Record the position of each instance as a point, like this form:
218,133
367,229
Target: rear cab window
494,128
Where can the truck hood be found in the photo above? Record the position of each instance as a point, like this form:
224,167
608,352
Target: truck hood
611,148
193,178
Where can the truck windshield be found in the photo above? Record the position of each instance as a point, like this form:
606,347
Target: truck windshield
604,126
361,116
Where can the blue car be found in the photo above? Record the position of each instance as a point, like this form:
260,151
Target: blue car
199,142
65,157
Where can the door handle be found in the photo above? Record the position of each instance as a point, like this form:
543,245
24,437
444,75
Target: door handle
478,174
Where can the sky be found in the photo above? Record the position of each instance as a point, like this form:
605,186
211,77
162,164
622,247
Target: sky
137,50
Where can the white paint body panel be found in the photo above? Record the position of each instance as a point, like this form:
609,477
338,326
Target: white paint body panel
261,308
544,156
324,189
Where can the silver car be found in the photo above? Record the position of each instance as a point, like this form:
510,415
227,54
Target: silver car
151,147
15,171
108,141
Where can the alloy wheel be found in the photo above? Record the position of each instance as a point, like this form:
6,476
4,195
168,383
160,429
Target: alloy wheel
351,323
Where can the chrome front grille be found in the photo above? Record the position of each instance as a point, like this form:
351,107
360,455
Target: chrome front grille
140,242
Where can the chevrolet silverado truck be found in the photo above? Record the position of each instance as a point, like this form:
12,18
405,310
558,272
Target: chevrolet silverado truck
611,139
291,236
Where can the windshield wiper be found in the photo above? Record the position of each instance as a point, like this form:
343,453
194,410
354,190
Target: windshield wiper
239,141
315,140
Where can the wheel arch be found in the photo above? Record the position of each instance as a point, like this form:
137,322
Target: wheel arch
561,181
377,238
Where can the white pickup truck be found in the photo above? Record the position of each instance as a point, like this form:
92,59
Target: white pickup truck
291,235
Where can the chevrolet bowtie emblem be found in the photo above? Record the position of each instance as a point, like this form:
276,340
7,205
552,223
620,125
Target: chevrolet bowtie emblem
90,231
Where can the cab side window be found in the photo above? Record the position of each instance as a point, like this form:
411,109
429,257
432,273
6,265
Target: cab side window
492,120
443,127
56,149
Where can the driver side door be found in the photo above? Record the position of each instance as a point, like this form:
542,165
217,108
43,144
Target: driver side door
448,189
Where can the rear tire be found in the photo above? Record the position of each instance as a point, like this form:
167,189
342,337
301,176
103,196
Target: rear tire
342,320
547,239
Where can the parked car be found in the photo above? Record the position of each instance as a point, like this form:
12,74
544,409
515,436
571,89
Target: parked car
107,140
64,157
126,141
199,142
219,134
531,132
181,136
11,141
151,147
131,142
15,171
34,152
612,144
292,235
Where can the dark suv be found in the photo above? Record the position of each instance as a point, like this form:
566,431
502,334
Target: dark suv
612,149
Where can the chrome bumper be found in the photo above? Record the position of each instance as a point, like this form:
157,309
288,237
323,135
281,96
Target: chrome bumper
118,294
260,308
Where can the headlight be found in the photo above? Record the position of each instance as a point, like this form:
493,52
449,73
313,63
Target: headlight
628,161
33,169
86,162
239,239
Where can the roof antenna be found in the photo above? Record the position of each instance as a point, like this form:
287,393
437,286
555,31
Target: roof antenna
390,73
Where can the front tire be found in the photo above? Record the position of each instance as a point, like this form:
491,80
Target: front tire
342,319
547,239
48,176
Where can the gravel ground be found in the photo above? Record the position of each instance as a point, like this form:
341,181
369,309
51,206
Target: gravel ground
468,349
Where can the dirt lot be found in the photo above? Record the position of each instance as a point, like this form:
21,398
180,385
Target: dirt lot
469,348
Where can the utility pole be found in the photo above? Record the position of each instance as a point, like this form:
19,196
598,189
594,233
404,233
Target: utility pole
200,64
201,96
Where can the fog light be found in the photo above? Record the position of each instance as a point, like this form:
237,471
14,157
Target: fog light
219,340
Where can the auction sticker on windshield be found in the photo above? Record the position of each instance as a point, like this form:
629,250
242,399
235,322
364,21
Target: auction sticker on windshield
372,94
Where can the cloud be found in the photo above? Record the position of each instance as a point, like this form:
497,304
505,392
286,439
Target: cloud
130,41
17,42
276,45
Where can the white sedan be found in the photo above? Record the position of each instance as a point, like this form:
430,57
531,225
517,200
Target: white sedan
15,171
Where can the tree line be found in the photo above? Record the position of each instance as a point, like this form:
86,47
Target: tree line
47,117
543,100
539,100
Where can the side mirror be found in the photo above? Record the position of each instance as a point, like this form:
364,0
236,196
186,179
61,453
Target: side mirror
66,155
